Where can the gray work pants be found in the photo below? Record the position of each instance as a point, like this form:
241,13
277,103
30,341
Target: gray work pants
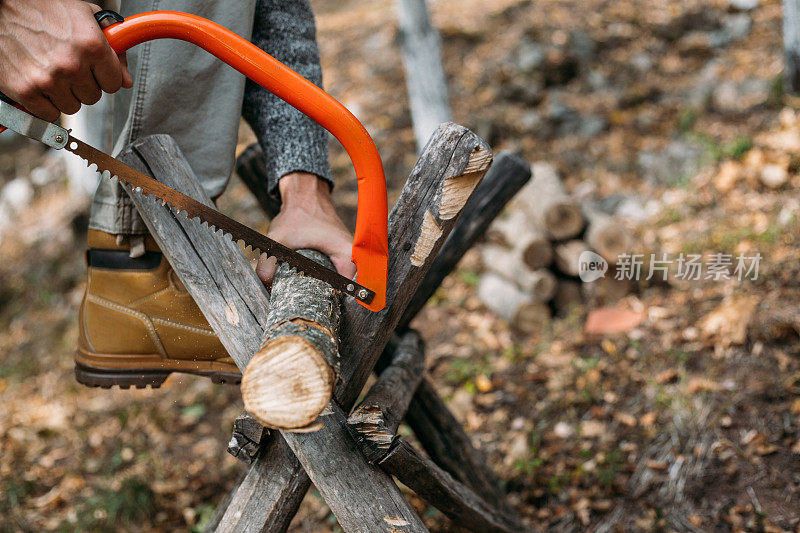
182,90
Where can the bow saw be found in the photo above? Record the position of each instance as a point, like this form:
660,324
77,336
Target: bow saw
370,246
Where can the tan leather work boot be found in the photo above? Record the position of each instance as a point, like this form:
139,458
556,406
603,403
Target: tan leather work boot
138,323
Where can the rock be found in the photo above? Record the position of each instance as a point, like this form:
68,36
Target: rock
566,121
774,176
610,320
678,162
743,5
17,194
632,209
528,56
737,26
737,98
582,46
559,67
706,19
642,62
699,95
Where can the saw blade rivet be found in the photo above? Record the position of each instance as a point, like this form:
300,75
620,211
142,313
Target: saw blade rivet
362,293
59,138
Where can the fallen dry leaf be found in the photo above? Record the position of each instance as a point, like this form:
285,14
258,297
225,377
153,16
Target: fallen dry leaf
625,419
698,384
727,324
592,428
667,376
657,466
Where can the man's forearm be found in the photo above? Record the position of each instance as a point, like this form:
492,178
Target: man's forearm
291,141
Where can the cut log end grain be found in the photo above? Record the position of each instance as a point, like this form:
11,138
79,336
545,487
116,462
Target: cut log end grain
567,256
562,220
607,236
610,241
537,253
287,383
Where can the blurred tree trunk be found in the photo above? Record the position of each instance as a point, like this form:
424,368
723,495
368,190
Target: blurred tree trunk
422,58
791,46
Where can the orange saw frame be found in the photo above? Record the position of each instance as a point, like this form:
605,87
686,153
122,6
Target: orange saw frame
370,243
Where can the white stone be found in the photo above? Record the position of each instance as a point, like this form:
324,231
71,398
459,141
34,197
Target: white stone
774,176
17,194
743,5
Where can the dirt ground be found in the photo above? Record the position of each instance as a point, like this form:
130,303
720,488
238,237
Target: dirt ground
688,422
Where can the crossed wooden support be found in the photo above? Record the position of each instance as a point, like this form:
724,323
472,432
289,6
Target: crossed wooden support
352,461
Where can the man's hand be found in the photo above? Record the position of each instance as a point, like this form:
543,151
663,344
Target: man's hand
308,220
54,57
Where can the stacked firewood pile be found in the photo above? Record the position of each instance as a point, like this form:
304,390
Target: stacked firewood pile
531,257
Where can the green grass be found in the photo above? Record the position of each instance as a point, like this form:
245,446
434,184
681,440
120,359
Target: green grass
113,510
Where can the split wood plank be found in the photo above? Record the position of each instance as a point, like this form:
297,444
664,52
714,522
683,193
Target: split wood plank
462,505
375,421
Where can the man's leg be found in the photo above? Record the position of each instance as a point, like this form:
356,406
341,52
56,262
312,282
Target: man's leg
137,322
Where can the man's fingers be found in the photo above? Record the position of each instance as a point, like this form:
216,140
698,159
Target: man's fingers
344,266
108,72
87,90
266,268
127,79
64,100
41,107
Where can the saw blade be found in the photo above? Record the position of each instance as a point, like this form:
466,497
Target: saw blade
179,203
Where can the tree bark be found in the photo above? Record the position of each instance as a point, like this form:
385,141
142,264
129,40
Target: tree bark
544,199
567,255
791,46
425,80
246,439
290,380
539,284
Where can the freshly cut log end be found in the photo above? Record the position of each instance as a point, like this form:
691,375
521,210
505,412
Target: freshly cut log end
567,257
607,236
511,303
287,384
610,241
540,284
538,253
562,220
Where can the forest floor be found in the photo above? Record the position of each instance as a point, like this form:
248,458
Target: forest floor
690,421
